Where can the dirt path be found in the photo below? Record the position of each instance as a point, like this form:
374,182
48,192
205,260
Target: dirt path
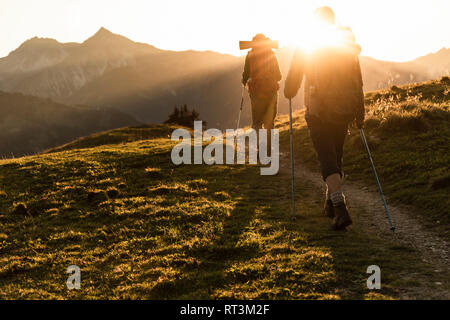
409,232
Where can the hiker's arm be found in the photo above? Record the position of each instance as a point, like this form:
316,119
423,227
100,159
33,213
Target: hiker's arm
246,73
295,75
355,49
360,111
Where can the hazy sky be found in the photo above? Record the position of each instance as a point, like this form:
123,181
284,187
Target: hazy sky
397,30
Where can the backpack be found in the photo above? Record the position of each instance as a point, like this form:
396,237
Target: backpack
338,82
263,69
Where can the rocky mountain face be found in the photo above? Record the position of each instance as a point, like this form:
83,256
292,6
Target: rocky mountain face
47,68
109,70
34,54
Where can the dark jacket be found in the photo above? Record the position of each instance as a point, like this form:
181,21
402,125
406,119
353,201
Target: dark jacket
261,64
314,66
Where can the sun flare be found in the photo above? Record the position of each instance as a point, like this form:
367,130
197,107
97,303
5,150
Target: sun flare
316,35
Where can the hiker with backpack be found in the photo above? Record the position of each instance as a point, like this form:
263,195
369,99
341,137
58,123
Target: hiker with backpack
333,98
262,76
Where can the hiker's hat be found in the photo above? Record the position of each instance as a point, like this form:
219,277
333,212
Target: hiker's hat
258,41
260,37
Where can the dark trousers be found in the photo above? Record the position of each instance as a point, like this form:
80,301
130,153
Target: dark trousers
328,140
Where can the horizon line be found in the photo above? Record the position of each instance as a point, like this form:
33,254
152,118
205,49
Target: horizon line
287,46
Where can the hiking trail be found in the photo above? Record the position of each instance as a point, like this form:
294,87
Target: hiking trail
368,215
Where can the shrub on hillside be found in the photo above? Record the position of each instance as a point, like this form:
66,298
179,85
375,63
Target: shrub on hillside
445,79
183,117
372,123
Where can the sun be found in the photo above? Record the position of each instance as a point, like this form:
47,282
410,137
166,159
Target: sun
324,35
310,34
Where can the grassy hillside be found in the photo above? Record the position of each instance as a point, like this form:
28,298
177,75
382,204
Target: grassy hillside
140,227
408,129
30,124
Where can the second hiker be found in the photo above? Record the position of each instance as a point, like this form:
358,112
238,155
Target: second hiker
261,76
333,99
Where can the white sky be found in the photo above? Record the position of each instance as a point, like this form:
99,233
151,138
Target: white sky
397,30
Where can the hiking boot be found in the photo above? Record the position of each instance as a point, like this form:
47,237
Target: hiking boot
342,218
329,209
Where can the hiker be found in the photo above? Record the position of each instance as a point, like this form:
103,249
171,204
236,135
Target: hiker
261,76
333,98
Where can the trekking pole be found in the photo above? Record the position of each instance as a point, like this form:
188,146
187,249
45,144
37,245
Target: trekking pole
239,118
292,159
363,137
240,110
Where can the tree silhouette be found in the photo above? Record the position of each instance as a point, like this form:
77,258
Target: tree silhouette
183,116
195,114
174,116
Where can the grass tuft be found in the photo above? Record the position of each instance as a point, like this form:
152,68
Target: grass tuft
20,209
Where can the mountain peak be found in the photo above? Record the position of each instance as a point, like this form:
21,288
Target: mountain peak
103,35
36,41
37,45
103,32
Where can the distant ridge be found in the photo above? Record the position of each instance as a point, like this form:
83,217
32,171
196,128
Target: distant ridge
30,124
110,70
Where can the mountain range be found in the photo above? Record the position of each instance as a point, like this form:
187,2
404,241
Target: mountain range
112,72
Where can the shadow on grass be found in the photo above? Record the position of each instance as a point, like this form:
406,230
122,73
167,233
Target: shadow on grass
216,257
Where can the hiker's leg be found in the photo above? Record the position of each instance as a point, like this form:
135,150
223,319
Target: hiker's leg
269,119
341,216
257,116
334,183
257,119
322,137
340,133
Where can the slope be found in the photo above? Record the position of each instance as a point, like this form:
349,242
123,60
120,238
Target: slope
30,124
140,227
